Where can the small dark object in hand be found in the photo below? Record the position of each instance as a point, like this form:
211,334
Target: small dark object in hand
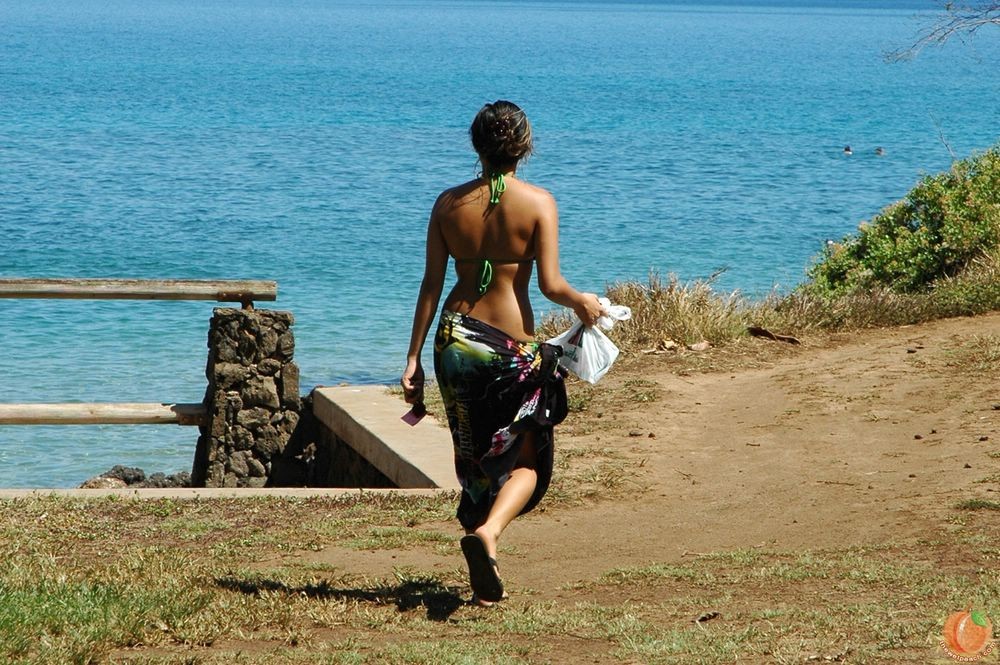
415,414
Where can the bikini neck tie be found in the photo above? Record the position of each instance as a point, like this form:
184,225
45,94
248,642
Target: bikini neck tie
497,187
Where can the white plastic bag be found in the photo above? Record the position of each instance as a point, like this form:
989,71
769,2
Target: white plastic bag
587,352
612,314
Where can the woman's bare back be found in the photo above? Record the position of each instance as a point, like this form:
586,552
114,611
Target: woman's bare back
505,234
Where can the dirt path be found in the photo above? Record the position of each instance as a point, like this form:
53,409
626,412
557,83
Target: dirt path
868,439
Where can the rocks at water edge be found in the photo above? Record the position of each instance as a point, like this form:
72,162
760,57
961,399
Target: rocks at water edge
120,476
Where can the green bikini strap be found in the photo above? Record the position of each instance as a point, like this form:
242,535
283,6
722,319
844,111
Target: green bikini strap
497,187
485,276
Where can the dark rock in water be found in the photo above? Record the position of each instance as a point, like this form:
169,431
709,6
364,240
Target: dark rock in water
103,483
124,476
182,479
130,474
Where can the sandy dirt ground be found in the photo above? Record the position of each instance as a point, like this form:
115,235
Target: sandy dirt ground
862,439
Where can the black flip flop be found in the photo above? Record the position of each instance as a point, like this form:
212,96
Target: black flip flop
482,569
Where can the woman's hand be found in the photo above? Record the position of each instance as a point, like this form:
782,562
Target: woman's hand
413,382
588,309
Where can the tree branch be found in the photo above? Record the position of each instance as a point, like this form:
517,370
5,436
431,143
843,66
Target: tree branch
957,20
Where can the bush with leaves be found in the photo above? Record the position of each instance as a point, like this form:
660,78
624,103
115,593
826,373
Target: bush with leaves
946,222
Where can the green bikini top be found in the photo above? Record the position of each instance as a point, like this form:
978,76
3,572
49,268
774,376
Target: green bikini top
497,187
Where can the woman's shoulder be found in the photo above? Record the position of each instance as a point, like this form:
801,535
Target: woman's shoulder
455,197
537,195
532,188
539,200
461,191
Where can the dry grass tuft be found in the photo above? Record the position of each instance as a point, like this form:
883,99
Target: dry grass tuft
665,312
670,314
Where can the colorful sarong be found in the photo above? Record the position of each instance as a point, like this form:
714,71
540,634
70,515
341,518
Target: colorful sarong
496,388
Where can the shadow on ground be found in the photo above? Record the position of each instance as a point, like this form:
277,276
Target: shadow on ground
439,600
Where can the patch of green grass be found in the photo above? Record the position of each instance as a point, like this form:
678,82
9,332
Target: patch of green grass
641,390
48,616
589,473
191,529
978,504
685,645
450,652
608,478
656,572
978,354
580,397
162,507
871,604
737,557
394,537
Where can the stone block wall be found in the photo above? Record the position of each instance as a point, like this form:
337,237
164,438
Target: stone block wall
252,398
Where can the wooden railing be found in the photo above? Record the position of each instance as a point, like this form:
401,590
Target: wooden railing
102,413
245,292
241,291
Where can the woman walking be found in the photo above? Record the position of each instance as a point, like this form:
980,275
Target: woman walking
503,392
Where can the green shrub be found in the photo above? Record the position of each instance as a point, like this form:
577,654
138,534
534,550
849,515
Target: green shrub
943,224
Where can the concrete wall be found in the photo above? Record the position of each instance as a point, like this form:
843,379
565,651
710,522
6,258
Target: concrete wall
316,457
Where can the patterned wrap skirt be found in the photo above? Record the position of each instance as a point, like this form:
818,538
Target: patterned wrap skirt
496,388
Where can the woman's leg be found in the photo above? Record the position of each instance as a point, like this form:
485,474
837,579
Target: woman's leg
513,496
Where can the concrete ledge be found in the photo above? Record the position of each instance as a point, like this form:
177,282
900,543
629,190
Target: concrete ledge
370,421
208,492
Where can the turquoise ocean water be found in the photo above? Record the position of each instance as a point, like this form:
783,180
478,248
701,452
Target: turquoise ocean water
304,141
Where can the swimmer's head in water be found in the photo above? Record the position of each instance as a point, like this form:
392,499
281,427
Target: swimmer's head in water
501,134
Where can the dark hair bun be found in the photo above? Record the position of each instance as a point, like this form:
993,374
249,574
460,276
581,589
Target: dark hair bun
501,134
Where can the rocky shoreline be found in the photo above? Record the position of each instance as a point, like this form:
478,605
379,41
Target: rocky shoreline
120,476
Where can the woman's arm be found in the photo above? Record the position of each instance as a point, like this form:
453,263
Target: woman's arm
550,280
436,263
